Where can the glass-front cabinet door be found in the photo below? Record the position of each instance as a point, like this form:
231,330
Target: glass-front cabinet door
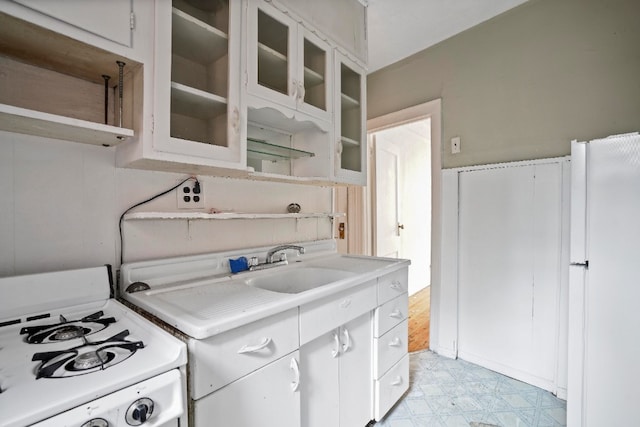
350,127
198,81
287,63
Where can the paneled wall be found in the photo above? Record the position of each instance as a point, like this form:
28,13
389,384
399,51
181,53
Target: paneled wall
61,202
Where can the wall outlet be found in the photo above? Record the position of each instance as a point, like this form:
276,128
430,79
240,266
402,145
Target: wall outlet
455,145
190,195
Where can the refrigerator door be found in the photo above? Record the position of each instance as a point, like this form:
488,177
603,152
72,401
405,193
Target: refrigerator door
612,286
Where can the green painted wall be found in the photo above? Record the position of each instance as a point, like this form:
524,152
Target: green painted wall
525,83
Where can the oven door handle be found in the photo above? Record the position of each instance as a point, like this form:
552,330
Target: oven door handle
254,348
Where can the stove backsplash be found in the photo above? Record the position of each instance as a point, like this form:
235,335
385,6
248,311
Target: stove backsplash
61,202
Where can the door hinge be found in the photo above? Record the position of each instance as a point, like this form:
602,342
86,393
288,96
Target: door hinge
132,21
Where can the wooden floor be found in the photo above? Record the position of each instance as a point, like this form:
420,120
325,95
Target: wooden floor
419,309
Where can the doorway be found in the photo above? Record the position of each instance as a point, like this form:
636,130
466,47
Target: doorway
404,150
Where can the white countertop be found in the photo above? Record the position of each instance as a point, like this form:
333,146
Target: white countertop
204,306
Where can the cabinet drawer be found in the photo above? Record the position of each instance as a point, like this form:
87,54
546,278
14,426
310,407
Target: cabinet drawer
390,314
392,285
390,348
390,388
224,358
321,316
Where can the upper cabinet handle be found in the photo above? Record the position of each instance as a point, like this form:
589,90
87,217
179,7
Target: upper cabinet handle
294,88
257,347
301,91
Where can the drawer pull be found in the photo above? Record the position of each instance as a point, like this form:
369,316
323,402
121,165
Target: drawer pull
347,340
345,303
397,381
295,384
396,285
396,314
254,348
336,349
395,342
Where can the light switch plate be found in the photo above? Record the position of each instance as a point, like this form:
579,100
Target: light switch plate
455,145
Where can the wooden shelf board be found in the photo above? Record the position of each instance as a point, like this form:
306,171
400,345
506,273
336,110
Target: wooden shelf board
312,78
224,215
22,120
197,103
349,102
197,40
349,141
44,48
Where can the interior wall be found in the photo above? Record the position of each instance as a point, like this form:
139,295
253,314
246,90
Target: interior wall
525,83
61,202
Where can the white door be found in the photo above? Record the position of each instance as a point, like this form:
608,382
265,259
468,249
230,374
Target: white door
509,270
388,225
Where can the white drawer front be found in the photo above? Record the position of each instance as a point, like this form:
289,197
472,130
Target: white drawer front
390,388
319,317
390,348
222,359
392,285
390,314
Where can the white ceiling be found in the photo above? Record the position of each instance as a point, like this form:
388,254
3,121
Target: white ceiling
399,28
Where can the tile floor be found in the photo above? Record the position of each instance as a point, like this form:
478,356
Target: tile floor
452,393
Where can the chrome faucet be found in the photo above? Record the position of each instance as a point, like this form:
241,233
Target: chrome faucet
273,251
270,259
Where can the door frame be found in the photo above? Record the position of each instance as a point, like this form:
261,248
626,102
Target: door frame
428,110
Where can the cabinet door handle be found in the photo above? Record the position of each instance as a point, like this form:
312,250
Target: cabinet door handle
336,349
396,285
256,347
347,340
397,381
295,384
294,88
345,303
395,342
301,91
396,314
235,120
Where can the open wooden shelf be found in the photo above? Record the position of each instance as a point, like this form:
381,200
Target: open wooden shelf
195,102
223,215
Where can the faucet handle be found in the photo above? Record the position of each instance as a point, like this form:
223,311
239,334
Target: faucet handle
253,261
283,256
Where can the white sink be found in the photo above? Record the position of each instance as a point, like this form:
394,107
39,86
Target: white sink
296,280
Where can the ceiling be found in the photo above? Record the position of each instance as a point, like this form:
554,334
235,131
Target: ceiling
399,28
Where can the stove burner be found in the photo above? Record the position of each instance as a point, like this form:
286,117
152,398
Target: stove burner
89,360
86,358
67,329
68,332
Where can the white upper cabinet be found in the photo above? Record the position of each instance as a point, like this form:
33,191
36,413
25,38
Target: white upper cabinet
350,122
287,63
111,20
197,120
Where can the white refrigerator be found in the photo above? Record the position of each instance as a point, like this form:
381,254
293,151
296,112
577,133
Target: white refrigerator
604,290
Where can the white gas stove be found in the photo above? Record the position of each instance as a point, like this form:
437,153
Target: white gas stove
71,356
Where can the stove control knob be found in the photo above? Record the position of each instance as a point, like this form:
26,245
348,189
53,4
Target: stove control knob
139,411
96,422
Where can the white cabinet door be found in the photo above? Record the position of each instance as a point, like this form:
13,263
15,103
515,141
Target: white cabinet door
350,127
510,234
110,20
288,64
356,394
319,381
262,397
197,101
